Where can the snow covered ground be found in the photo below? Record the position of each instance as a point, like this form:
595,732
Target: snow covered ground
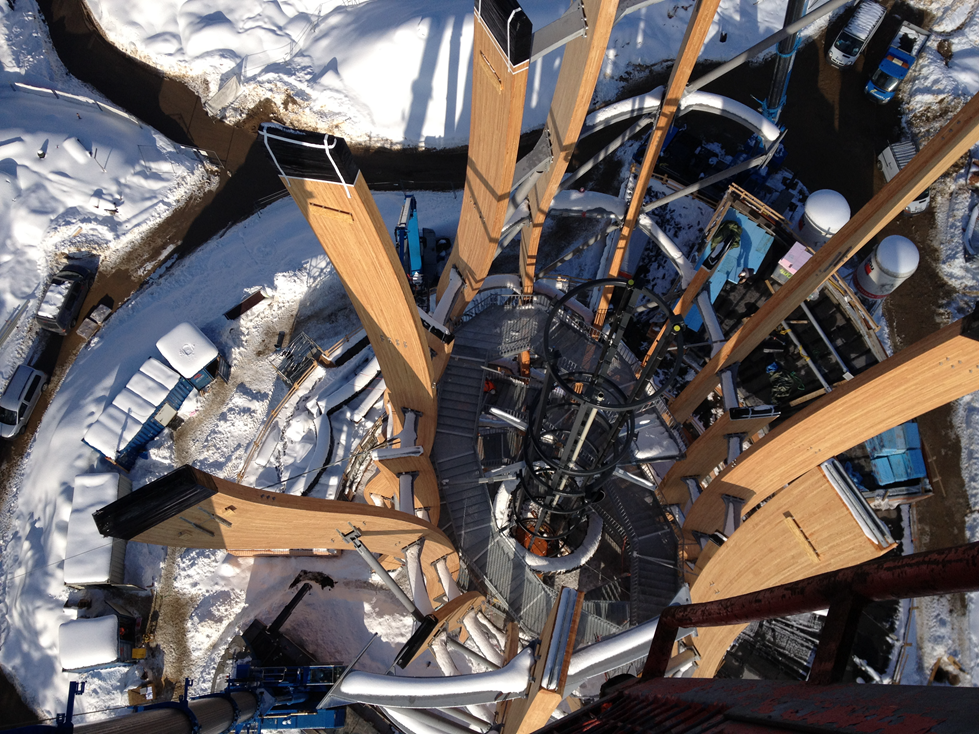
388,71
274,250
75,175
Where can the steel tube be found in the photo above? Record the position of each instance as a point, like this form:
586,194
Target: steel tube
377,568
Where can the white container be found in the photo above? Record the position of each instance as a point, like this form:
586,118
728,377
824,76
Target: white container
892,262
76,150
826,212
89,558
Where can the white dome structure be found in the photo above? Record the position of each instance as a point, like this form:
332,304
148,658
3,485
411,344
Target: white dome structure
826,212
892,262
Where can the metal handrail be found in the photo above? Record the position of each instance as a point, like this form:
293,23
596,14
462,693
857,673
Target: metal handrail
844,592
361,458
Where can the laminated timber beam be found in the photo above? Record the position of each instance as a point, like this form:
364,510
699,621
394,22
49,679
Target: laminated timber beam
327,185
550,672
805,530
580,67
927,374
502,37
189,508
705,453
955,139
693,40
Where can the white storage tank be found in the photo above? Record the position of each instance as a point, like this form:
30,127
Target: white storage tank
825,213
892,262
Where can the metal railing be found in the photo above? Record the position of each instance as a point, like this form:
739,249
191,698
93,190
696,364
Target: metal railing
845,592
361,460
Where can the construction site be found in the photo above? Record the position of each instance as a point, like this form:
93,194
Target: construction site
629,448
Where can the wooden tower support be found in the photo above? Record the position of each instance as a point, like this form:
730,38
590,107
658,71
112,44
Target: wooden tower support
189,508
331,193
805,530
580,67
960,134
526,715
929,373
704,454
693,40
502,37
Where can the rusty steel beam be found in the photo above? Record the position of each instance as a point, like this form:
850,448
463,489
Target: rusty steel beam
946,571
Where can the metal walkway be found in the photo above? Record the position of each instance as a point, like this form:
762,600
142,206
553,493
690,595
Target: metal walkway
498,326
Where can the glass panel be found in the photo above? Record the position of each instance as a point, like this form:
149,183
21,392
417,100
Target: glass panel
32,389
847,44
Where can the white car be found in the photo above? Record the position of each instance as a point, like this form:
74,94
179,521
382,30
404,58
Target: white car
854,38
19,399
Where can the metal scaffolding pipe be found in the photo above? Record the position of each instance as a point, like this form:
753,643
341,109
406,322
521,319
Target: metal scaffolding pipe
766,44
416,577
474,656
353,538
478,635
445,576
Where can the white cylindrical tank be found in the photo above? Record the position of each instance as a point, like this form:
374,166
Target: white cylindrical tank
826,212
892,262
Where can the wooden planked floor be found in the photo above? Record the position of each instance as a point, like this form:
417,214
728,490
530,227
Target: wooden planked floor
806,529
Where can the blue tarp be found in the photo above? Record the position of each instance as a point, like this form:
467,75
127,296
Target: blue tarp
895,455
755,243
152,428
895,441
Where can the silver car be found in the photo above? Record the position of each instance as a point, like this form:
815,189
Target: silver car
19,399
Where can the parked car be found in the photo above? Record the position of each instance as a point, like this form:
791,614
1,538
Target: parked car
854,38
63,299
895,157
19,398
897,62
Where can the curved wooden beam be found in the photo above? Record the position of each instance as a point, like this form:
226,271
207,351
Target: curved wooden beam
189,508
929,373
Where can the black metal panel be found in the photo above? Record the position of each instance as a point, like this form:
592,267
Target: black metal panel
157,502
510,27
312,155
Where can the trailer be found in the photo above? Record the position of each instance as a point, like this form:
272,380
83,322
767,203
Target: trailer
895,157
